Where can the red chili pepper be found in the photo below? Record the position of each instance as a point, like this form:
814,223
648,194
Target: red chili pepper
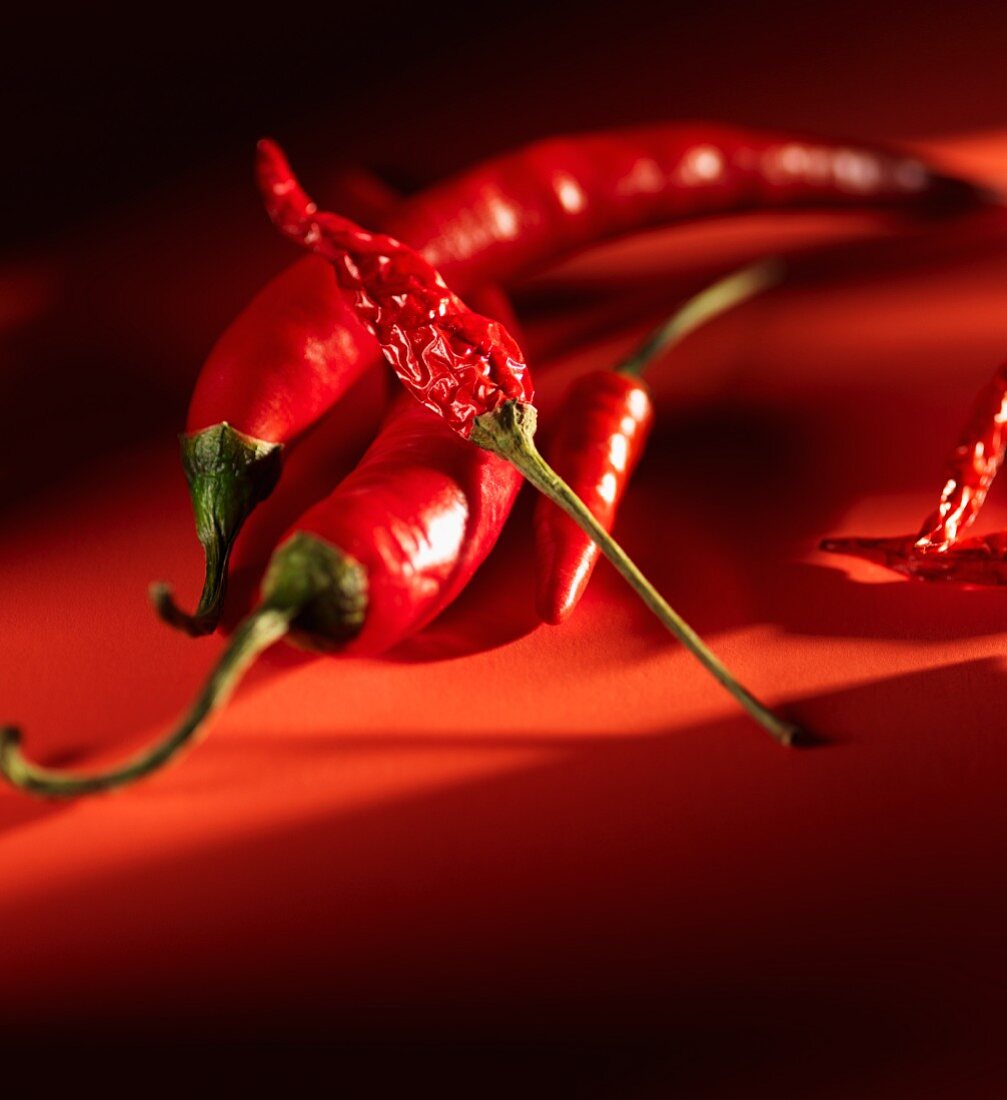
939,552
516,212
275,374
599,438
359,572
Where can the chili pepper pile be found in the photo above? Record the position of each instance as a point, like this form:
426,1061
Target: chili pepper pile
399,538
298,346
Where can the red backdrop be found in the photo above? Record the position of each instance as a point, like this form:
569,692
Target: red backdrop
509,841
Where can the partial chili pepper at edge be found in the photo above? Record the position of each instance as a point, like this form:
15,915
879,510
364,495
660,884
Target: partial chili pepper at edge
600,435
283,365
938,552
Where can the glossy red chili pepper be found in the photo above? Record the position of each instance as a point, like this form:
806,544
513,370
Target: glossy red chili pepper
518,211
598,439
939,552
491,224
359,572
597,443
419,513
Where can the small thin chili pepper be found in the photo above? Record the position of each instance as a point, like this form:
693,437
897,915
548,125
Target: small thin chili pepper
297,347
360,571
938,552
599,438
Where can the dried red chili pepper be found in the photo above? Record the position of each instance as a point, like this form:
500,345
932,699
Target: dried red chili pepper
599,438
938,552
359,572
297,348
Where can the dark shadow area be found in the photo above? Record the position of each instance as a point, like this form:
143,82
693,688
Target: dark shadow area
702,893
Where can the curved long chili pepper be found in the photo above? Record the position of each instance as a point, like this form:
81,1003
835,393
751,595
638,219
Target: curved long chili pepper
364,569
938,552
298,347
600,435
464,367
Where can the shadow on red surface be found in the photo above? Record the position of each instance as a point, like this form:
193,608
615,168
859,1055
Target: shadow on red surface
512,907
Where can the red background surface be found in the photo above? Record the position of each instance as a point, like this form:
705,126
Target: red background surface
510,847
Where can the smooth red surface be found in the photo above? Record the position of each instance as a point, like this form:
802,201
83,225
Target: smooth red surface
419,513
597,438
512,830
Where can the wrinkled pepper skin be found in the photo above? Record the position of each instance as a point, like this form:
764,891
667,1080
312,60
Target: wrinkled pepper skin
457,363
940,551
600,435
420,512
971,468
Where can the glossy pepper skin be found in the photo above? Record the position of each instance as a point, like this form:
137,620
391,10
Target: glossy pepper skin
601,433
419,513
272,380
490,225
516,212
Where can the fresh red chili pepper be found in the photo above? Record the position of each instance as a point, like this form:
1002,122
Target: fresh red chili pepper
359,572
599,437
492,224
518,211
939,552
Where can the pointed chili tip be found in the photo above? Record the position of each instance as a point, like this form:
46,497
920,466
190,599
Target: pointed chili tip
555,602
287,203
196,626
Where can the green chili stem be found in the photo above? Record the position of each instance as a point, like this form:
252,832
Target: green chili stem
229,473
716,299
509,432
259,631
205,618
309,585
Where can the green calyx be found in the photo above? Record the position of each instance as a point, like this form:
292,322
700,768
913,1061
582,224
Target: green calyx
229,473
328,587
311,587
